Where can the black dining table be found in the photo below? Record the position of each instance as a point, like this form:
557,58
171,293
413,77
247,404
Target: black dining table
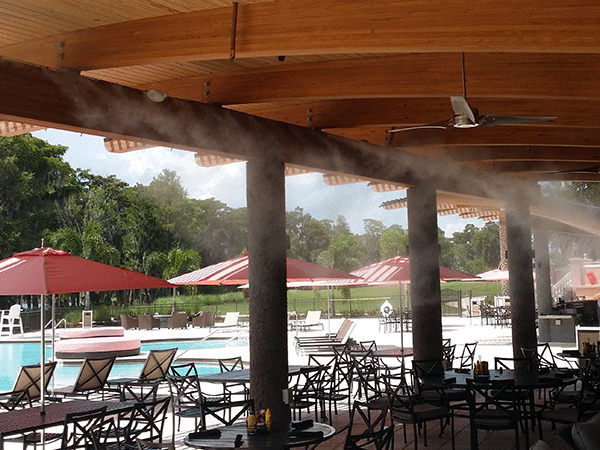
30,419
525,379
318,432
243,375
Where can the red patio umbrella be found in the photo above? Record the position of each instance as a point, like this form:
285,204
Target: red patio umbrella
235,272
397,270
45,271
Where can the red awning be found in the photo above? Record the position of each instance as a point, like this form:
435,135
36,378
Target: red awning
235,272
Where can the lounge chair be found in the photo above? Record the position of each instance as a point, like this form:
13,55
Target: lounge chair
320,345
10,320
27,386
178,320
337,336
230,321
148,321
92,378
313,319
129,321
155,368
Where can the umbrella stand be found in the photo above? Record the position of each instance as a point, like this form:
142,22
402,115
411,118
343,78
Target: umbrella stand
401,318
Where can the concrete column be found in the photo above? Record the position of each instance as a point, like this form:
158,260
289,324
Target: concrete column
267,246
543,287
424,257
520,271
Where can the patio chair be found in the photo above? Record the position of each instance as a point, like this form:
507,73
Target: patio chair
178,320
146,421
148,321
92,378
337,383
230,321
204,319
144,444
155,368
10,320
495,405
327,337
467,357
188,399
412,409
128,321
305,390
27,381
428,383
326,345
223,411
229,365
313,319
138,391
87,430
369,429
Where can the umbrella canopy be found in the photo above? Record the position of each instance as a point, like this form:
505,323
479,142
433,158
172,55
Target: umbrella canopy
235,272
397,270
44,271
494,275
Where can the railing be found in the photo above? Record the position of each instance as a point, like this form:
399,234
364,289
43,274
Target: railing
563,287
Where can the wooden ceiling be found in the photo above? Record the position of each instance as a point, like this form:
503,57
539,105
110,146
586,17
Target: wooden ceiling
354,69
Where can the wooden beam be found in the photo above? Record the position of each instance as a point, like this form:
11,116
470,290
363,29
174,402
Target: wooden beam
511,153
412,111
489,75
299,27
63,99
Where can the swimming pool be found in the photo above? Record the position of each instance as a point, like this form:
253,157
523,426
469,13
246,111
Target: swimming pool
13,355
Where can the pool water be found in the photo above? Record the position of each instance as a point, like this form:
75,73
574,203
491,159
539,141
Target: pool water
14,355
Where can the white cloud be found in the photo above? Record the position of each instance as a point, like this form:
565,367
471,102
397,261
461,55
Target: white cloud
227,183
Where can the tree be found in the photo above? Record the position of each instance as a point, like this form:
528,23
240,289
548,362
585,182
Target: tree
344,253
393,242
373,231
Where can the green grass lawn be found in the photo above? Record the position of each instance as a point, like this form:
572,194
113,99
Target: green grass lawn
362,301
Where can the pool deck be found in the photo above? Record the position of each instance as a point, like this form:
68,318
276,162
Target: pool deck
493,340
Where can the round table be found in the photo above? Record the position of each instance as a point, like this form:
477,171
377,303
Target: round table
262,440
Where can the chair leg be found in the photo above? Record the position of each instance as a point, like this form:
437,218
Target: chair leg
474,443
517,444
416,436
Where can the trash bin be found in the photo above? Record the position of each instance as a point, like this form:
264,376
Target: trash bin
86,318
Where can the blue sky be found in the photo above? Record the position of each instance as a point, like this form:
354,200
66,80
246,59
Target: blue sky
228,183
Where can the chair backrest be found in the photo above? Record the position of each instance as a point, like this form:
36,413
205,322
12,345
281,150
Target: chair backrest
14,311
346,336
144,444
312,317
82,430
369,429
29,377
183,370
128,321
368,345
448,355
446,342
231,318
229,364
157,364
546,357
139,391
512,363
209,319
147,420
499,395
185,391
346,324
467,358
93,374
228,412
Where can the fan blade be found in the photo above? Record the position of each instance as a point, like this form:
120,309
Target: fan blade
443,125
488,119
462,108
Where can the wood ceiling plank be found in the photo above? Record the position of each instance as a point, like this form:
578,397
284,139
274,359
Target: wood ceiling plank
312,27
409,112
493,75
65,100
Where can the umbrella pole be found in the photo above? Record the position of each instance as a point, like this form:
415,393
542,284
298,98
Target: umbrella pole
174,302
43,361
53,331
401,319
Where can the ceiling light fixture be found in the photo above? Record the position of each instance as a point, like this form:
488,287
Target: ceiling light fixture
156,96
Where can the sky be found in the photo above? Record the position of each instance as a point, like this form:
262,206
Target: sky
227,183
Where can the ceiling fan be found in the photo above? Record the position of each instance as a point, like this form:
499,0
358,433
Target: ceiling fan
467,117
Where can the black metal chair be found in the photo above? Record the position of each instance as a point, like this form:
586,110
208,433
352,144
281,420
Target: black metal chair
494,405
228,412
369,429
139,391
428,383
229,365
305,390
337,384
412,409
467,357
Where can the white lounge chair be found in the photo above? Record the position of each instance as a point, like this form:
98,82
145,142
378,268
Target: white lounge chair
11,319
230,321
313,319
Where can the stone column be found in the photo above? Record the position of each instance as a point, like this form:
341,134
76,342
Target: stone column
543,287
423,250
267,247
520,271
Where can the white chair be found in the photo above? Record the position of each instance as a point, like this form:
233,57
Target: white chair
230,321
11,319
